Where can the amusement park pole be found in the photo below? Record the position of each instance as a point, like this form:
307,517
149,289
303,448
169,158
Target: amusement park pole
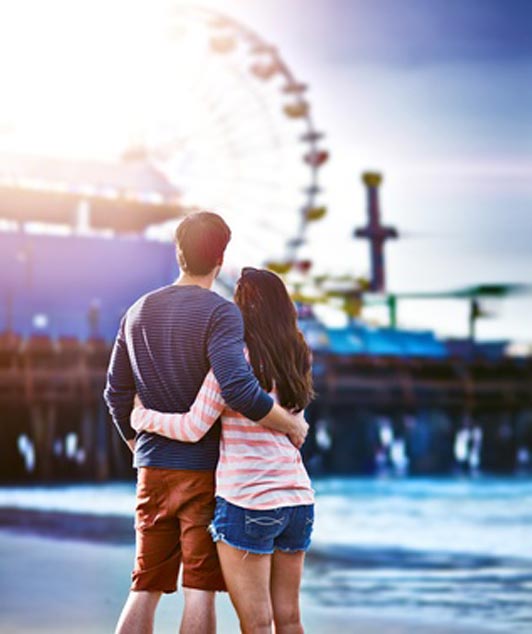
375,232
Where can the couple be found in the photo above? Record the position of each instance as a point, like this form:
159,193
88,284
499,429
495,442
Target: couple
212,498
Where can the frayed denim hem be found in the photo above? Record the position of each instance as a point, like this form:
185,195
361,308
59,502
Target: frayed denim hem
220,537
293,550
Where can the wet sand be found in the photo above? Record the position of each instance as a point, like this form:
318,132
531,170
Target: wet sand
59,586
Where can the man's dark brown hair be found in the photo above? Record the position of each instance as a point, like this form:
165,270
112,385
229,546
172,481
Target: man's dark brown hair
201,239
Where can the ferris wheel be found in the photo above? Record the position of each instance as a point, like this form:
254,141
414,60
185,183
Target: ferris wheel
184,91
234,133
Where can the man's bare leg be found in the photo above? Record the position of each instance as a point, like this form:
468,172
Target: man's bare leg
138,613
199,615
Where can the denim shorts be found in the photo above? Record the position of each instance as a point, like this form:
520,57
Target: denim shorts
287,528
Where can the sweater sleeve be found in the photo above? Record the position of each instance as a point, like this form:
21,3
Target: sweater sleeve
225,349
120,387
188,427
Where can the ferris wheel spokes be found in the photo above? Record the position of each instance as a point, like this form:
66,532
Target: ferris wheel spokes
249,144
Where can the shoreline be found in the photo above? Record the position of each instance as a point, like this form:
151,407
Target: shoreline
86,527
76,569
119,530
52,586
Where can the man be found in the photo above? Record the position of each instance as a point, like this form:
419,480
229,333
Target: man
167,342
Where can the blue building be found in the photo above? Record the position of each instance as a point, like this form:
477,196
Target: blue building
76,285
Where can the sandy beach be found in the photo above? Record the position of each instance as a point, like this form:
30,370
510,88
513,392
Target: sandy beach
50,585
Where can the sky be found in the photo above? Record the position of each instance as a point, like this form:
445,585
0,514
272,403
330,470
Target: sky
436,94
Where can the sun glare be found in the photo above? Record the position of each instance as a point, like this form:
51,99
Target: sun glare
82,79
177,88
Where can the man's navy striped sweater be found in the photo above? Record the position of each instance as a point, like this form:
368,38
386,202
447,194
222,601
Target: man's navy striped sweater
167,342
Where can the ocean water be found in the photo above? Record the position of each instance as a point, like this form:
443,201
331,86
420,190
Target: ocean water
456,551
447,551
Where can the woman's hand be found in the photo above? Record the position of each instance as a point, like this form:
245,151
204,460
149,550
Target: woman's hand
136,416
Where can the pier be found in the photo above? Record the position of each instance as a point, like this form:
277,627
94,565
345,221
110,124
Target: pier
56,426
54,421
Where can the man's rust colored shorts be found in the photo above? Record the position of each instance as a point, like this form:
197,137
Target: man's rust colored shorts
174,509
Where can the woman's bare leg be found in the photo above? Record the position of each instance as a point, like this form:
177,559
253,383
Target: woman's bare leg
247,577
287,569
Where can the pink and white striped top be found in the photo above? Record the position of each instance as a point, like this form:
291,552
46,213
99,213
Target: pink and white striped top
259,468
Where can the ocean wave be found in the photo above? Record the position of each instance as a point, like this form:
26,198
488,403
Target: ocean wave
353,557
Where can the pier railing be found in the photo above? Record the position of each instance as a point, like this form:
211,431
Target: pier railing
414,382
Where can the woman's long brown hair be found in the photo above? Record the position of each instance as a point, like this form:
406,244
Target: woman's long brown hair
278,352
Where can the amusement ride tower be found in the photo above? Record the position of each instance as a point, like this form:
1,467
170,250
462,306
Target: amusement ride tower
375,232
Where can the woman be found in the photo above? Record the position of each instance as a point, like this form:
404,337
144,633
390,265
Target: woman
264,500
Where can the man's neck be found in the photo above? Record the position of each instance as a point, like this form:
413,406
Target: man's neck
203,281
